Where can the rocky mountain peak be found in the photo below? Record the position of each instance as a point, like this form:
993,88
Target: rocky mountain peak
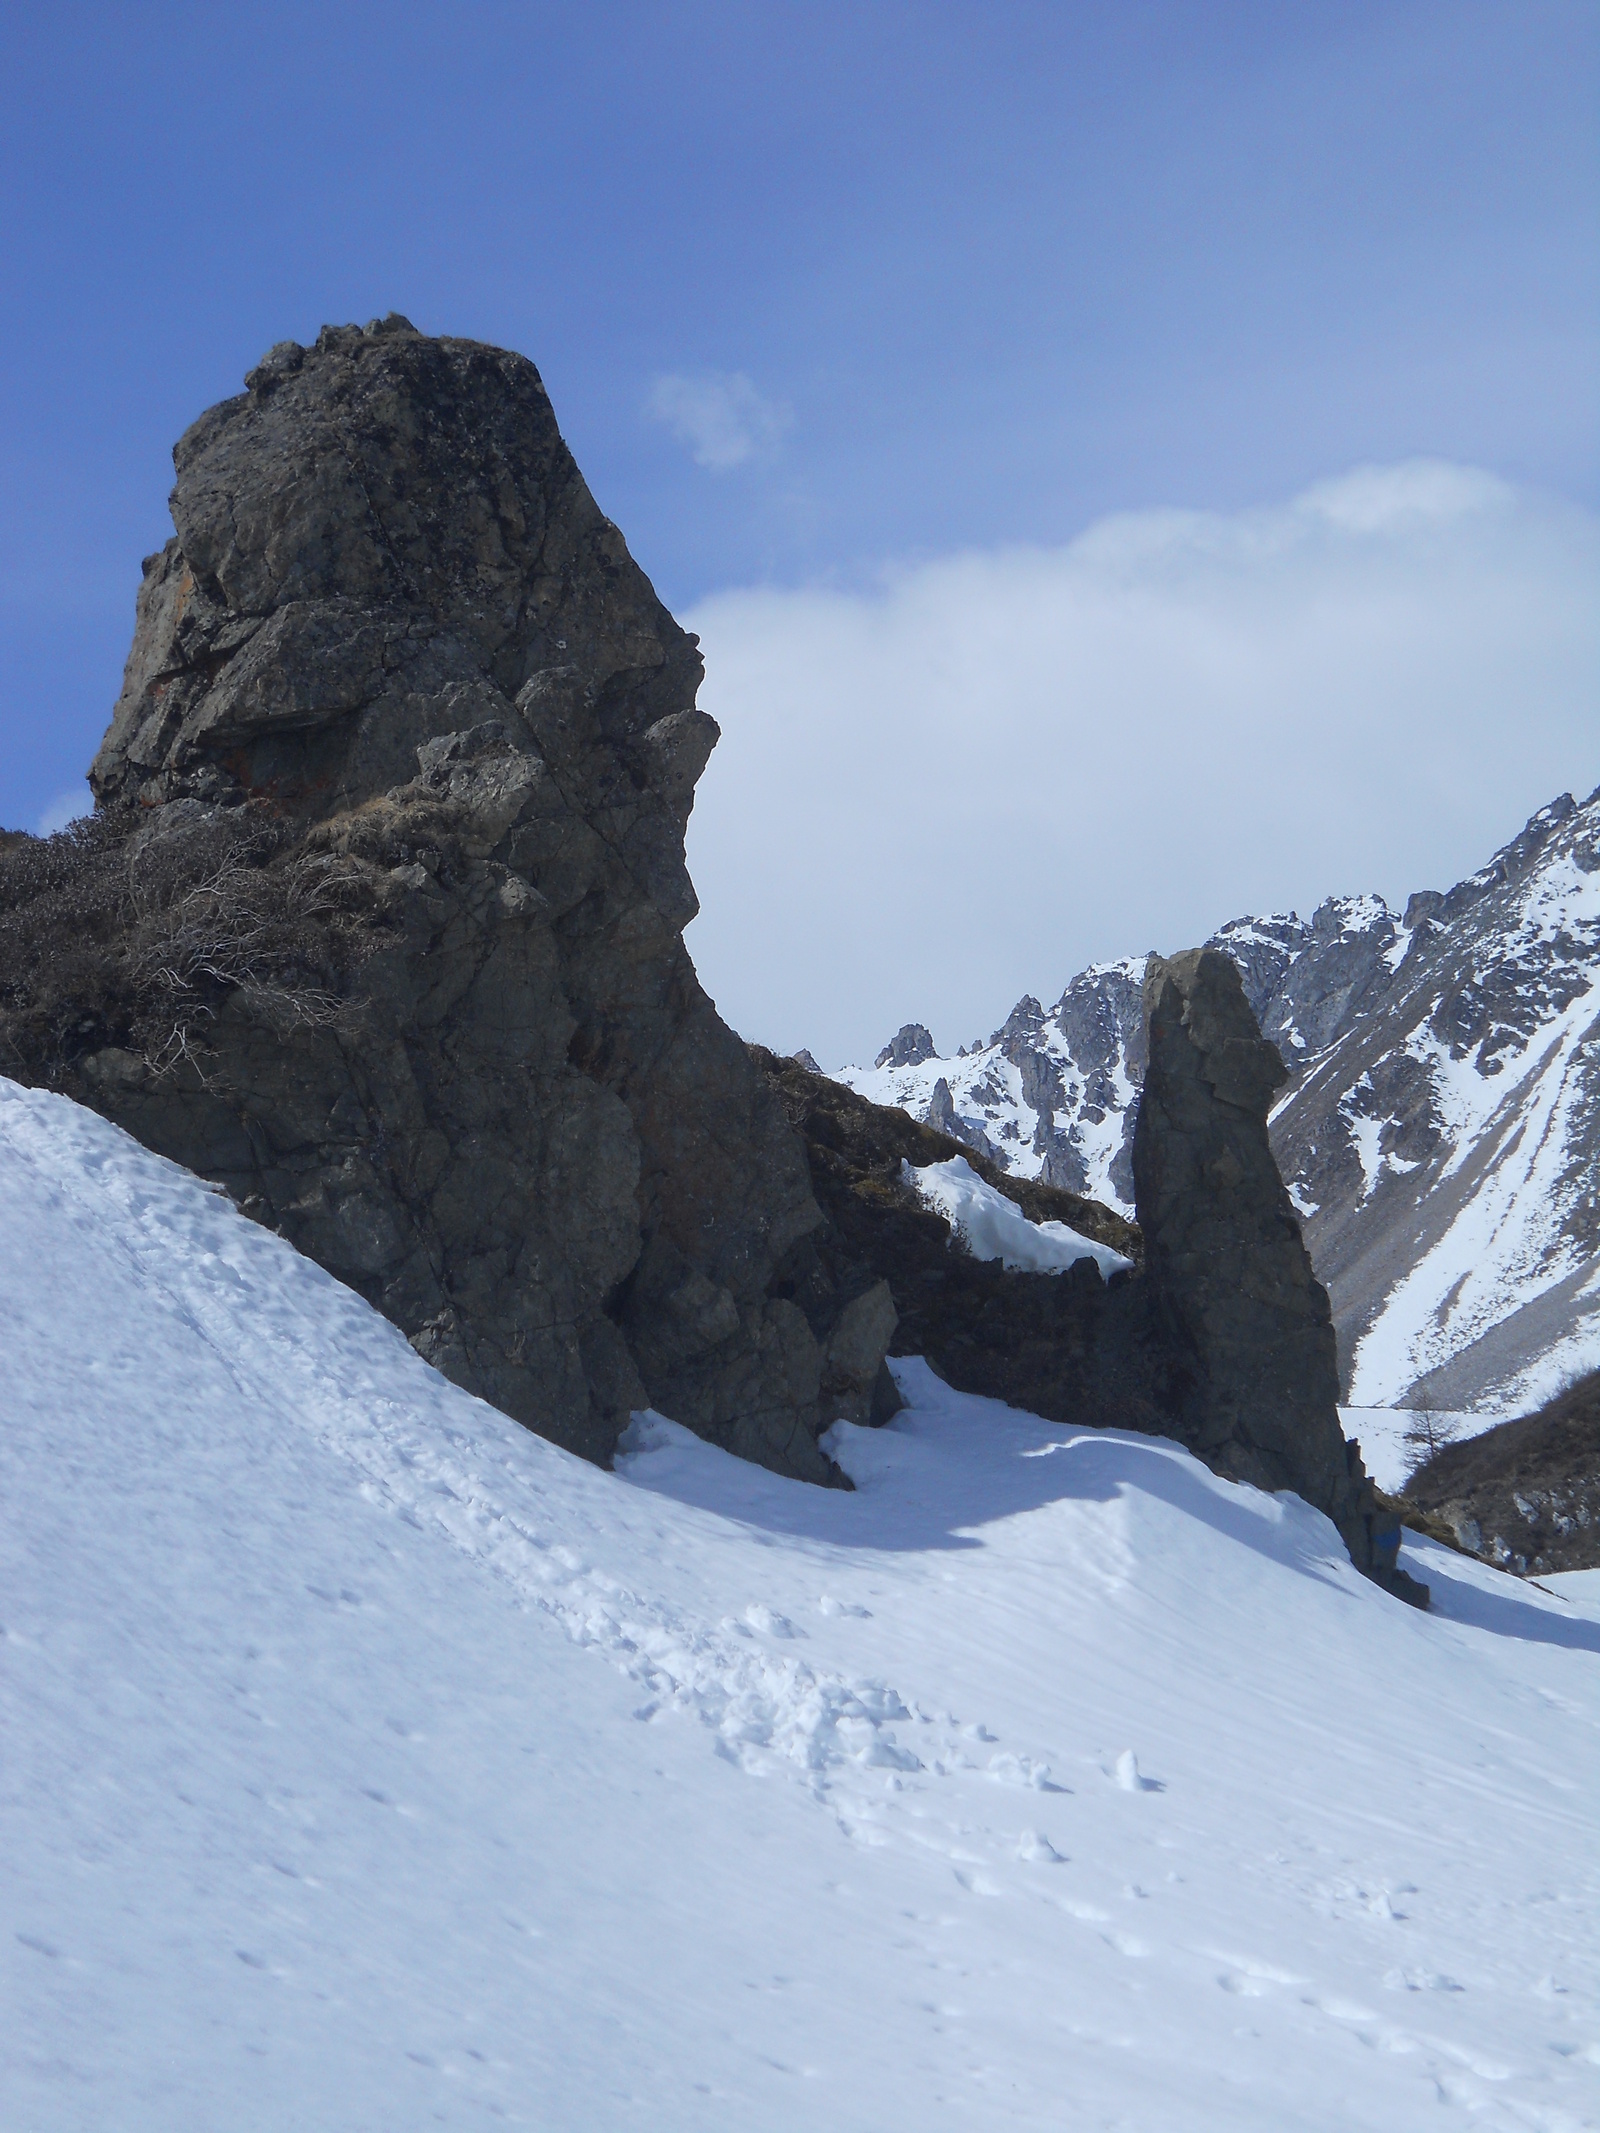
1021,1027
910,1045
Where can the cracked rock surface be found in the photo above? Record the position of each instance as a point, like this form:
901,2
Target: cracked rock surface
393,615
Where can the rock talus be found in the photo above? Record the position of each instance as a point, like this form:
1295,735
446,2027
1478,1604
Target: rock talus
393,616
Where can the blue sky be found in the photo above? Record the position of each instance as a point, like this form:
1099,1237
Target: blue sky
818,290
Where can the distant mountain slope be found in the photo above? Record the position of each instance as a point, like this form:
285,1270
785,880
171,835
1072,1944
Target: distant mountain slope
1441,1136
1526,1494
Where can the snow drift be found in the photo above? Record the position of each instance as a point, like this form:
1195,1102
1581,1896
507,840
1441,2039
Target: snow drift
371,1762
993,1227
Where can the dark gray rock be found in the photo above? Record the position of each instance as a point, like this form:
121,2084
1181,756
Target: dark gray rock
908,1047
394,618
1227,1270
1222,1246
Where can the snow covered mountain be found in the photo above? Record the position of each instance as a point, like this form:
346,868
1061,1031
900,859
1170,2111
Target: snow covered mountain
1441,1136
371,1762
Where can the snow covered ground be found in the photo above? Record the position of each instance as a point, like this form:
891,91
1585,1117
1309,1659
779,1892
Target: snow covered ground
1390,1445
370,1764
994,1227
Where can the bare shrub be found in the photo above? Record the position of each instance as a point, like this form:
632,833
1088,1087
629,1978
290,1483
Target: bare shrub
122,931
251,925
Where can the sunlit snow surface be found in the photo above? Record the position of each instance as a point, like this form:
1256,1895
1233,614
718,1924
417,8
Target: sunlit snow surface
1508,1245
368,1763
993,1227
1395,1441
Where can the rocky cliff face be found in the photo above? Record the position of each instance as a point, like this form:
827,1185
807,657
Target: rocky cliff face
1439,1132
396,645
1223,1252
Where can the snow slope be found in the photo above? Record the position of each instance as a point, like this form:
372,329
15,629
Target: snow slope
369,1763
993,1227
1390,1438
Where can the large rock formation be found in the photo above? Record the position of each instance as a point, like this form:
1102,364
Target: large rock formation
1222,1247
1222,1337
380,922
394,619
1227,1271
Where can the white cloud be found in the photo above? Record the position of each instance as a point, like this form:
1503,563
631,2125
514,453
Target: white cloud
721,416
64,808
985,771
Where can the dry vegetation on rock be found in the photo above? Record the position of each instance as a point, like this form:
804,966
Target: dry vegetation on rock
121,934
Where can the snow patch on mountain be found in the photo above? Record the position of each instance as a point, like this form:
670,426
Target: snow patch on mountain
1513,1241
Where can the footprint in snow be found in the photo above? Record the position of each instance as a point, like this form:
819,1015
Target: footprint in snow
1008,1769
1248,1976
1089,1914
828,1605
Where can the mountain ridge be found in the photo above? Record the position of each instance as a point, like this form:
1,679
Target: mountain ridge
1439,1135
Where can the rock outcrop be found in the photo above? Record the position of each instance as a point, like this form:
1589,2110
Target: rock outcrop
1227,1271
1223,1250
394,625
1219,1335
1432,1053
909,1046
